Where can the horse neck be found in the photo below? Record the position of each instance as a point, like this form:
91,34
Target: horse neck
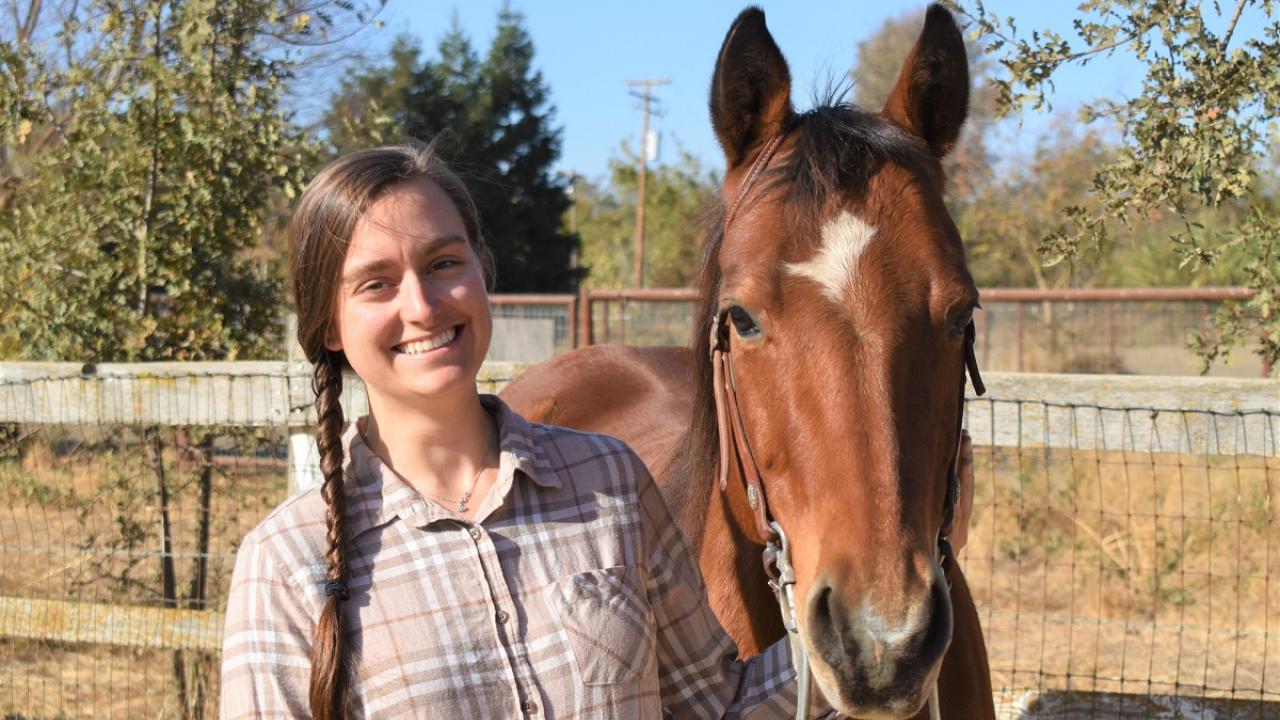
731,564
735,576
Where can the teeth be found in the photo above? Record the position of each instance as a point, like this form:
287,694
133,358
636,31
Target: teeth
421,346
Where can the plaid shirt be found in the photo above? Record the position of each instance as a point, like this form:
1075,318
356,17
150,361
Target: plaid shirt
572,595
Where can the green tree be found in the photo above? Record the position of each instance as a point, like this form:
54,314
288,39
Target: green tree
1002,221
142,151
140,145
1195,139
874,73
676,197
497,129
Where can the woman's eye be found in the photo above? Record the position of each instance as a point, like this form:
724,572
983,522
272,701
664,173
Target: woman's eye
374,286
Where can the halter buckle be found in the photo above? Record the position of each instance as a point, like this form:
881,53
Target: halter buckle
782,580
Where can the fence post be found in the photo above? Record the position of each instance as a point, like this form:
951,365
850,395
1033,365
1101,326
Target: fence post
572,306
1022,325
1113,356
304,459
584,318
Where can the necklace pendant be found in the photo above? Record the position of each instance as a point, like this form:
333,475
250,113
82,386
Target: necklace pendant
462,501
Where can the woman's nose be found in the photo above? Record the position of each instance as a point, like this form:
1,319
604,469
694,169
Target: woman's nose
417,303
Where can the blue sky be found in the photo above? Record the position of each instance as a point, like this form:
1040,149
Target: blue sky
588,50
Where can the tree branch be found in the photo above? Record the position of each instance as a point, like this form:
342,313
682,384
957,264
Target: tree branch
29,26
1226,39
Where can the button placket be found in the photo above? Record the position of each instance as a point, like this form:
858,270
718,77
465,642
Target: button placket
504,606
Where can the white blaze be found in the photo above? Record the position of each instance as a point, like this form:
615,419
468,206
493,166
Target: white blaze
844,239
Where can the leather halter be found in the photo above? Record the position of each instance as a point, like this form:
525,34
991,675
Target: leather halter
732,432
732,435
729,417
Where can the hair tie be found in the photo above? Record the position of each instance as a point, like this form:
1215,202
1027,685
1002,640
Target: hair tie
335,589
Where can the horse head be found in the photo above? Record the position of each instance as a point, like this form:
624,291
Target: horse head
837,286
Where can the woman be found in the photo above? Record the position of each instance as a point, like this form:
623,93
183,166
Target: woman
458,561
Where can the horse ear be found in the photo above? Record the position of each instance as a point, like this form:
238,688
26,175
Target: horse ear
751,88
931,97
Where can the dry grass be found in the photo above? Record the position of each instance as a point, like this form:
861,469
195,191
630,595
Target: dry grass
1132,573
81,521
1142,583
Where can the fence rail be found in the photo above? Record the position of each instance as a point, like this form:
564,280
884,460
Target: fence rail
1124,552
1094,330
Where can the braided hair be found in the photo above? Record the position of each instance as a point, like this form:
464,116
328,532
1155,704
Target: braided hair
319,233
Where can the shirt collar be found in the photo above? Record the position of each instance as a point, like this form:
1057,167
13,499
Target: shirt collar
375,494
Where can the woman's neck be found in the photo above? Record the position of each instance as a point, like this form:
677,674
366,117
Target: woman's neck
437,447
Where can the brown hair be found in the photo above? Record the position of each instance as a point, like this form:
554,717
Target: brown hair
319,234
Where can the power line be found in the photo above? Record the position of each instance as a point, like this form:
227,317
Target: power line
645,95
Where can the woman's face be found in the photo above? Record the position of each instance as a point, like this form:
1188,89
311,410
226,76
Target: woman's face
412,314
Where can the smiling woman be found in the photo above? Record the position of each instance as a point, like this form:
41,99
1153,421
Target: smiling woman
458,561
412,314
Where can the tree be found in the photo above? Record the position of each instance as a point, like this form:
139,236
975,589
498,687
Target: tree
1195,139
676,197
874,73
496,128
140,144
142,149
1002,220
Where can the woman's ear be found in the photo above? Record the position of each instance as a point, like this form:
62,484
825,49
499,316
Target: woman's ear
333,339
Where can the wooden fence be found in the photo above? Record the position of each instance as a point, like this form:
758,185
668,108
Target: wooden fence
1028,427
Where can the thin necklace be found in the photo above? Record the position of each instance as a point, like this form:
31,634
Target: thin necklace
459,505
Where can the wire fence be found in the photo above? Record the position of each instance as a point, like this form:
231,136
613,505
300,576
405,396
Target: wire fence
1125,556
1124,551
1137,331
562,310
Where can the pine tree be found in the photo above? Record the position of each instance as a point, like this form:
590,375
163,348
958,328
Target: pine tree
495,126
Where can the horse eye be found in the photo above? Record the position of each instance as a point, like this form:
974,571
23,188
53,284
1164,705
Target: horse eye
743,323
959,324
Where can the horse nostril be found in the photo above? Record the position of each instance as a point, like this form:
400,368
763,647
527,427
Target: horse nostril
938,635
823,613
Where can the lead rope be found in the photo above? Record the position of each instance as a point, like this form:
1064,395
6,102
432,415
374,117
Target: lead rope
782,579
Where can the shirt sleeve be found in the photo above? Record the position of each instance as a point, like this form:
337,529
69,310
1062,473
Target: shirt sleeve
698,667
266,644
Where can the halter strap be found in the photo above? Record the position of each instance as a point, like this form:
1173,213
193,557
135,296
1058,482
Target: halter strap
733,439
757,167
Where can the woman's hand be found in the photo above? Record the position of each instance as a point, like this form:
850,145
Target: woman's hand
959,534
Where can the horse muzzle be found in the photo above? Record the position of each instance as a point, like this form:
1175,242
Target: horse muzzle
878,661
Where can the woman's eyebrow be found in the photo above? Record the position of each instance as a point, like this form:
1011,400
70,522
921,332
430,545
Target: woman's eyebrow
430,246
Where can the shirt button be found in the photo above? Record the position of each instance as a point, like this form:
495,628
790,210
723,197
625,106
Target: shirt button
530,707
475,533
502,617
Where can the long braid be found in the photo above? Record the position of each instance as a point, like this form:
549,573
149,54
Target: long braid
329,676
320,233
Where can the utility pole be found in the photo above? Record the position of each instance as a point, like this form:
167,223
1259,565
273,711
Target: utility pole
646,97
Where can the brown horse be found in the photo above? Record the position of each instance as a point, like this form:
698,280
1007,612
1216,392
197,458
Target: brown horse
836,281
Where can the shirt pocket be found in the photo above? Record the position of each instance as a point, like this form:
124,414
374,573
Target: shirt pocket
608,622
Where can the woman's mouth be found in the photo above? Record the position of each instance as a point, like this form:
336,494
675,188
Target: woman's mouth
426,345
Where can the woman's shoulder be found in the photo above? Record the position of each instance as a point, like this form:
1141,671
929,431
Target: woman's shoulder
295,532
557,449
594,462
